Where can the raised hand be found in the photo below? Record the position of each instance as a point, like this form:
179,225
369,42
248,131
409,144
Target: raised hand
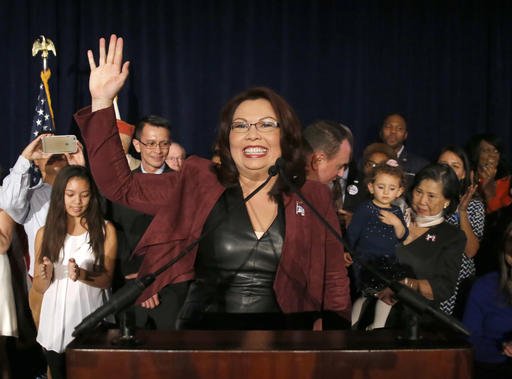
108,77
466,198
78,157
34,149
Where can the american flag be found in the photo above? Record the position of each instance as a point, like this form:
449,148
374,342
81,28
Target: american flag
43,118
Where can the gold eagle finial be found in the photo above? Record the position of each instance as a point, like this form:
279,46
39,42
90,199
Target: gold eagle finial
43,45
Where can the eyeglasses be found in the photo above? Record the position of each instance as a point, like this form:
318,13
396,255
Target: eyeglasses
152,145
265,125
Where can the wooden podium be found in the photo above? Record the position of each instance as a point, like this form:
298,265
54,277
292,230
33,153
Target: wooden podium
269,354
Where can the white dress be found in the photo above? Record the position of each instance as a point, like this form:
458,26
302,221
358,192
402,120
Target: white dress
66,303
8,322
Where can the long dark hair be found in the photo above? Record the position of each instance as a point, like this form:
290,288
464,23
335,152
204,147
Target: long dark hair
290,139
56,221
505,268
461,153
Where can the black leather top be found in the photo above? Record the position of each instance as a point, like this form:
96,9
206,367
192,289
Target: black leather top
234,269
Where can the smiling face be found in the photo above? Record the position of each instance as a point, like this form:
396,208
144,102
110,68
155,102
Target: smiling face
385,188
152,158
77,196
453,160
253,151
489,156
428,198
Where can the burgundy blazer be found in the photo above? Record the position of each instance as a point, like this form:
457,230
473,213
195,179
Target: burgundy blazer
311,275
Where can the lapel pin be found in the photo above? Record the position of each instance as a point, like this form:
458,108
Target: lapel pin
299,208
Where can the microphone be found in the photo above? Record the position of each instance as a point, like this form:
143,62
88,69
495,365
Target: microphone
127,295
274,169
402,292
120,300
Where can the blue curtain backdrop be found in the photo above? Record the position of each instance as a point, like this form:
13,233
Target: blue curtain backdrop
445,64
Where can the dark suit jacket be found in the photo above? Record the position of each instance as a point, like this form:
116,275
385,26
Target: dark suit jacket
411,163
311,275
130,226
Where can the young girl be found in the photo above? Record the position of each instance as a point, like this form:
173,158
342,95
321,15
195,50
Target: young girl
377,225
76,252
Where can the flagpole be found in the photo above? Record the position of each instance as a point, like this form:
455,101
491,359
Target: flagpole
116,109
43,120
44,46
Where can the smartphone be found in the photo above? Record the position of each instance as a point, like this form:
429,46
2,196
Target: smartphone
60,144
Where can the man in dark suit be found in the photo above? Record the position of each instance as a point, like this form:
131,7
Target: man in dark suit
394,133
152,140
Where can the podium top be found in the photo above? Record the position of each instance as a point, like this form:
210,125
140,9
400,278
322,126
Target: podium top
375,340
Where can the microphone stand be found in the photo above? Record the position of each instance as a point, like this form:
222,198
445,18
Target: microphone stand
127,295
407,295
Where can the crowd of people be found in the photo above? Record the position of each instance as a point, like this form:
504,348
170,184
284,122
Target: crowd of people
250,253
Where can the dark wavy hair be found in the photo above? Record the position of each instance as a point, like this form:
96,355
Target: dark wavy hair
461,153
56,221
445,175
473,150
290,139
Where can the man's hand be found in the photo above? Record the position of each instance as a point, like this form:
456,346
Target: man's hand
348,259
108,77
151,303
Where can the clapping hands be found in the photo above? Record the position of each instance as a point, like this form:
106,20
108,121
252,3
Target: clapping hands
73,270
46,269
